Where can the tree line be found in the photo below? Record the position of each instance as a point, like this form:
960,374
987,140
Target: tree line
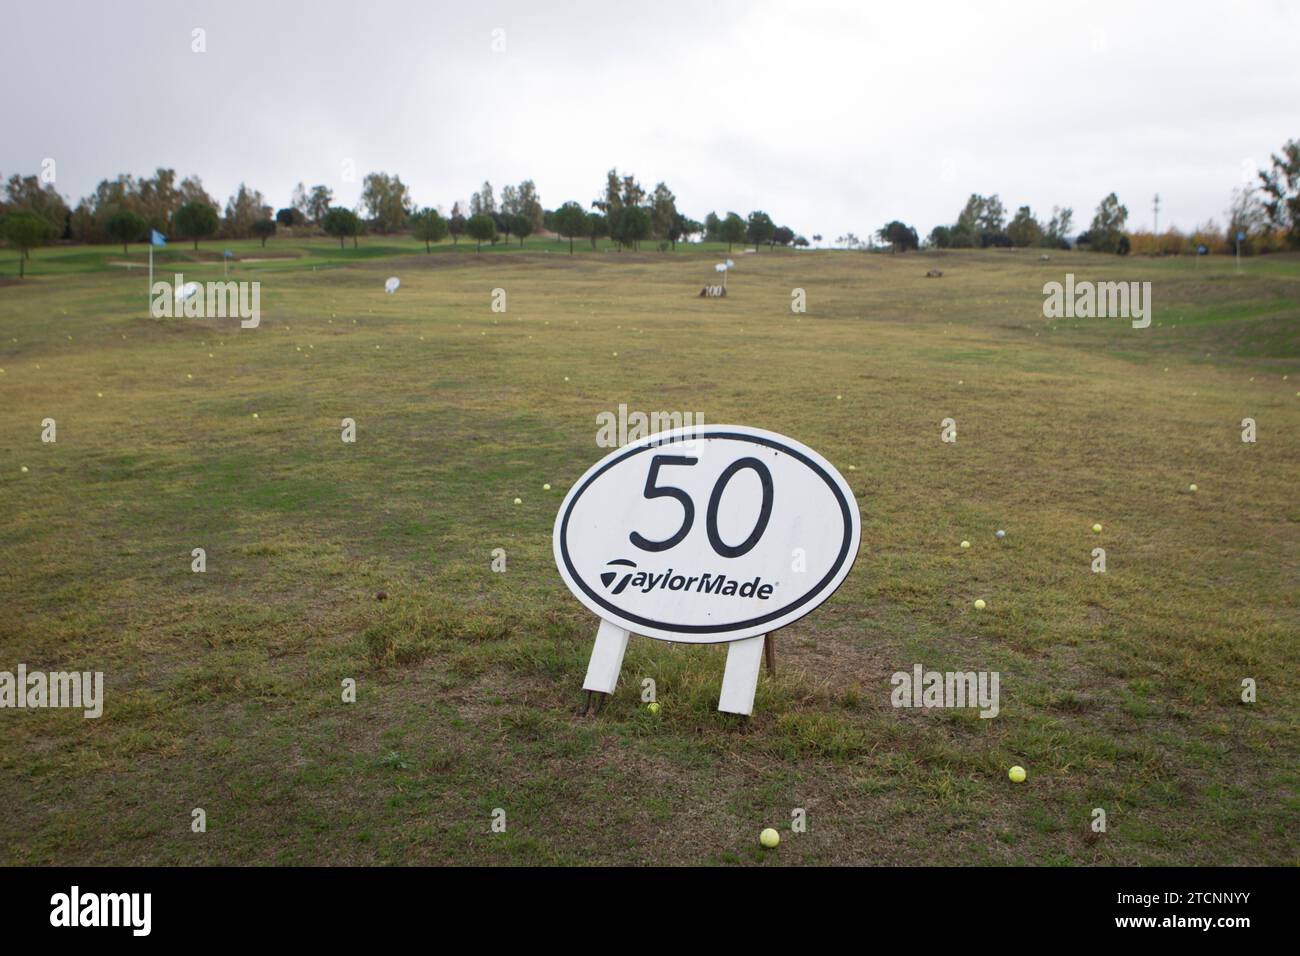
126,209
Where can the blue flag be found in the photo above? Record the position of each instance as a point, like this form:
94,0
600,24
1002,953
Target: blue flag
157,238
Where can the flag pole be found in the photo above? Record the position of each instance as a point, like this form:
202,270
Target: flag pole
150,296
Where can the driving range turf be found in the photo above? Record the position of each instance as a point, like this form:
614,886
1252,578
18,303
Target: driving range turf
1119,690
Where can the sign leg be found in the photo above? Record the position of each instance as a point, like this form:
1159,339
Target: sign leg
740,679
606,658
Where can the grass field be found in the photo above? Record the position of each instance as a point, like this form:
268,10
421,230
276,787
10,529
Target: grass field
1119,690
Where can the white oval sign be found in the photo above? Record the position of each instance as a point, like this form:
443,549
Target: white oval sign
707,534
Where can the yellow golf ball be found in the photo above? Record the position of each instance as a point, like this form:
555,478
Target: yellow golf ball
1017,774
769,838
1191,488
980,605
519,501
653,707
1096,529
965,544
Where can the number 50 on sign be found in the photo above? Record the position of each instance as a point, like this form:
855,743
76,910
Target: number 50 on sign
688,536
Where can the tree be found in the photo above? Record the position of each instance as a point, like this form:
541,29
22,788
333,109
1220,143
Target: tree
481,228
25,231
482,203
621,195
429,227
900,236
1281,187
1056,235
243,209
196,220
1247,216
760,228
1024,230
509,201
732,230
124,227
982,218
318,203
597,227
530,204
341,223
523,226
191,190
504,224
263,229
29,194
1107,225
712,228
571,222
784,235
664,217
290,216
633,226
456,224
941,237
387,200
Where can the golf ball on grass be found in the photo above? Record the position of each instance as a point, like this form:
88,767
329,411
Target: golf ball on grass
980,605
653,707
519,501
965,544
1016,774
546,487
1192,489
1096,529
769,838
1001,534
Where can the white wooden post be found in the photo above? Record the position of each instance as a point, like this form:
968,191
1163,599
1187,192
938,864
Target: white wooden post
740,679
606,658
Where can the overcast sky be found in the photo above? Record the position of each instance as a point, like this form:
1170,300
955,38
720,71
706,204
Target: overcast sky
832,117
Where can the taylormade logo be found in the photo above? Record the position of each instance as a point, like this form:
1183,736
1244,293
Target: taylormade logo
103,909
37,689
216,300
1106,300
709,583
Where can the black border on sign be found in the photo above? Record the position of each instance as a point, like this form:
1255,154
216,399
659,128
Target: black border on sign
697,434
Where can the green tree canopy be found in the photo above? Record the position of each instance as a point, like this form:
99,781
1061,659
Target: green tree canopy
571,222
196,220
263,229
387,201
342,223
1024,229
900,236
124,226
25,231
1107,225
481,228
522,226
732,230
429,227
1281,187
760,228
